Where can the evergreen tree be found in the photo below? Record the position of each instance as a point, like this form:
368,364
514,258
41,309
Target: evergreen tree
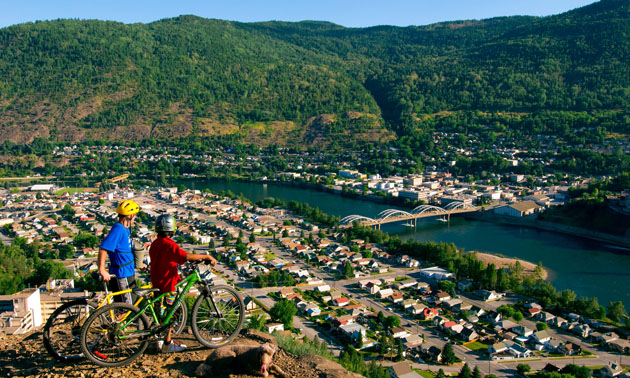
465,372
476,373
348,270
440,374
399,347
448,355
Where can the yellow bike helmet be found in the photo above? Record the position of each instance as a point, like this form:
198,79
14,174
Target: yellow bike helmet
127,207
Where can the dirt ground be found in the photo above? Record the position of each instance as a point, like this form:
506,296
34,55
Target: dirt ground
25,356
505,262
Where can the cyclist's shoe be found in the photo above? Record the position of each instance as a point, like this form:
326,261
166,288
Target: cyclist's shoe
172,347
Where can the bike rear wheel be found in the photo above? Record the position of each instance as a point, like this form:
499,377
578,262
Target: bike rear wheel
218,318
105,342
180,316
62,332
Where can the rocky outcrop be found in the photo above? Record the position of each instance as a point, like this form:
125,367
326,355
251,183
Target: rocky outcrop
25,356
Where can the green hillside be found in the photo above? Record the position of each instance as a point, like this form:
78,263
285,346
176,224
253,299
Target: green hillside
309,82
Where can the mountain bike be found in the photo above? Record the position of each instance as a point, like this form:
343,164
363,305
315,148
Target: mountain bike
119,333
62,331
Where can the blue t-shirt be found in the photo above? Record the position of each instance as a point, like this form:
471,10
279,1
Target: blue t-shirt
118,246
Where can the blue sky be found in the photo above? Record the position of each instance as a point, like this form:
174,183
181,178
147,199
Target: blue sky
350,13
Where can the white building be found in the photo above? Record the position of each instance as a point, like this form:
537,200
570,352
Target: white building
436,273
20,312
519,209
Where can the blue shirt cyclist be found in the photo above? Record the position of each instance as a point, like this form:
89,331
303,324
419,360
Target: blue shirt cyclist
117,245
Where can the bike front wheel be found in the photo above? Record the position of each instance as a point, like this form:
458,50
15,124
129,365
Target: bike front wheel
62,332
217,318
115,335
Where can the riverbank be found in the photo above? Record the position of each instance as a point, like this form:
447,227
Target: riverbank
532,222
506,262
486,216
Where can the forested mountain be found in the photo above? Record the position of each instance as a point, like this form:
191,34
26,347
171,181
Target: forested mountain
312,82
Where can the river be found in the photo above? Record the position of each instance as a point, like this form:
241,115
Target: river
589,268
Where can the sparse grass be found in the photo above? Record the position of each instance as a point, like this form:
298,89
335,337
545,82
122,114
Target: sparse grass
425,373
305,346
270,256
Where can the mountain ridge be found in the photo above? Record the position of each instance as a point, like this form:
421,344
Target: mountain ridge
69,80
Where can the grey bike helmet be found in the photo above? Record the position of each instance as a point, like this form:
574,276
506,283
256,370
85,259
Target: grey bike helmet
165,223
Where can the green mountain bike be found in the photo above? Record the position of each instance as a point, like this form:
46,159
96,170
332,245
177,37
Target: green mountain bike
61,334
119,333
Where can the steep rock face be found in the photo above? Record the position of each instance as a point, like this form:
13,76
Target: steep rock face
25,356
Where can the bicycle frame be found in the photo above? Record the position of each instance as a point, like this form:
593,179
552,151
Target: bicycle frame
182,288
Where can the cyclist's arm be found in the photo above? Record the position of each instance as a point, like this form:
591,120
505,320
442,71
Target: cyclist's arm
195,257
102,256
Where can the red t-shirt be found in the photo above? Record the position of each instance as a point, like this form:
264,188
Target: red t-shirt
165,256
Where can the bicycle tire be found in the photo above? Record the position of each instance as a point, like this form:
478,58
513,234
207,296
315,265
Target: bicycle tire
62,330
181,316
101,339
213,330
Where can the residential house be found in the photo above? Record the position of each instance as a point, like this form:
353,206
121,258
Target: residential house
423,287
506,325
312,309
353,331
434,353
522,331
605,338
385,293
411,341
397,297
399,333
561,322
372,288
494,317
496,348
620,345
450,303
429,313
341,301
249,303
410,283
611,370
442,296
468,334
569,349
271,327
582,330
545,317
408,303
488,295
323,288
519,351
416,309
541,337
285,292
402,370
